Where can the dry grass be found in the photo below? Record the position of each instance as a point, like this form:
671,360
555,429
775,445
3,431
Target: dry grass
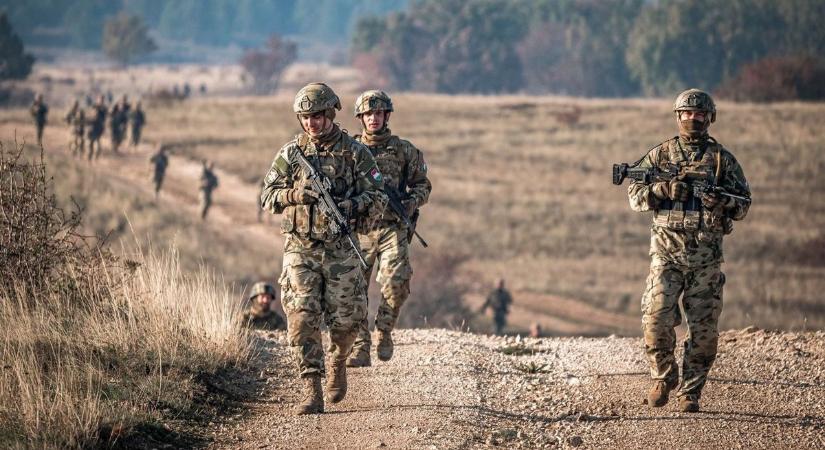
93,345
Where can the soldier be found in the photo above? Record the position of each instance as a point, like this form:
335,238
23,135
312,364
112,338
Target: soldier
138,119
76,119
118,120
499,301
686,248
321,275
98,125
159,162
260,314
404,170
209,181
39,111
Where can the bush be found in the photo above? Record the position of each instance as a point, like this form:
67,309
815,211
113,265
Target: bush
93,345
125,38
778,78
266,65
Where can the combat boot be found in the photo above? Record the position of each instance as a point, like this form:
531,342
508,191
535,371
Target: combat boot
384,347
313,396
359,357
659,392
689,403
337,381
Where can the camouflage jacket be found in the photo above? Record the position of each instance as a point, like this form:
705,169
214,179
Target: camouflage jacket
209,181
688,233
160,161
498,300
403,167
351,170
269,320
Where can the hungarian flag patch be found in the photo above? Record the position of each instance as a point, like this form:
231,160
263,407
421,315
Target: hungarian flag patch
375,174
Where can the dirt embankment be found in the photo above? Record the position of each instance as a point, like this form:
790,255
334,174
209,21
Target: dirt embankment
448,389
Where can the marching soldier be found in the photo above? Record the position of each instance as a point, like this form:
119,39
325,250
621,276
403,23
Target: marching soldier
209,181
686,247
388,242
159,163
97,126
499,301
138,120
76,119
322,278
39,111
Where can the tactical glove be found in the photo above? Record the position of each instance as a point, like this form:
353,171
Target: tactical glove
409,206
679,191
346,207
660,190
711,200
301,196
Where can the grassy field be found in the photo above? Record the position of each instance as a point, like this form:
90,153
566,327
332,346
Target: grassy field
522,191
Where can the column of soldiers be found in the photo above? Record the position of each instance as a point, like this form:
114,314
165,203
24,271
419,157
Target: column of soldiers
92,126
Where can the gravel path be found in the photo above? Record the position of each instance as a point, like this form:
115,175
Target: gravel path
447,389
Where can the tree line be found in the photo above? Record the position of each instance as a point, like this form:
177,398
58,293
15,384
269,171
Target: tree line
604,48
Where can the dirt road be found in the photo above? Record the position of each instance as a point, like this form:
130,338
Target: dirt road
456,390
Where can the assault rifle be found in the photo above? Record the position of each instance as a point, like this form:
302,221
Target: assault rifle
326,204
700,181
398,208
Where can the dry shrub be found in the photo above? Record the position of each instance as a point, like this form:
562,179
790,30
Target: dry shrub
92,345
778,78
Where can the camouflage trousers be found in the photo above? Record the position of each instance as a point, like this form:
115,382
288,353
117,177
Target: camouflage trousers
204,202
321,281
388,246
700,289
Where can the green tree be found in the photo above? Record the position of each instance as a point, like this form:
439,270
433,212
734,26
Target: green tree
266,65
84,21
15,63
125,37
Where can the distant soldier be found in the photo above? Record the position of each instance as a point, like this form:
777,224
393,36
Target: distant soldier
137,119
686,247
97,126
39,111
118,121
499,301
209,181
260,314
76,119
386,244
159,163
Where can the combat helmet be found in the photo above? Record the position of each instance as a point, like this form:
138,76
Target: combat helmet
373,100
261,287
695,100
316,97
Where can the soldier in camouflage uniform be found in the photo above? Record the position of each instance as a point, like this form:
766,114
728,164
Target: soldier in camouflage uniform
39,111
686,248
118,121
260,314
76,119
159,163
138,120
403,168
321,275
499,301
209,181
97,126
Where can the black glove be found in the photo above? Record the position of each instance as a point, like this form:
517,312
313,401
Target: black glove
409,206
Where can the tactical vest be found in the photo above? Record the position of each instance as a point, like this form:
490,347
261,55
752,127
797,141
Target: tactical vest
690,215
306,221
391,158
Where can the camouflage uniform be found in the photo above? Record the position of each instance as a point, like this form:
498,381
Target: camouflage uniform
209,181
262,317
499,301
159,162
138,119
686,252
39,111
403,168
321,276
97,127
76,119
